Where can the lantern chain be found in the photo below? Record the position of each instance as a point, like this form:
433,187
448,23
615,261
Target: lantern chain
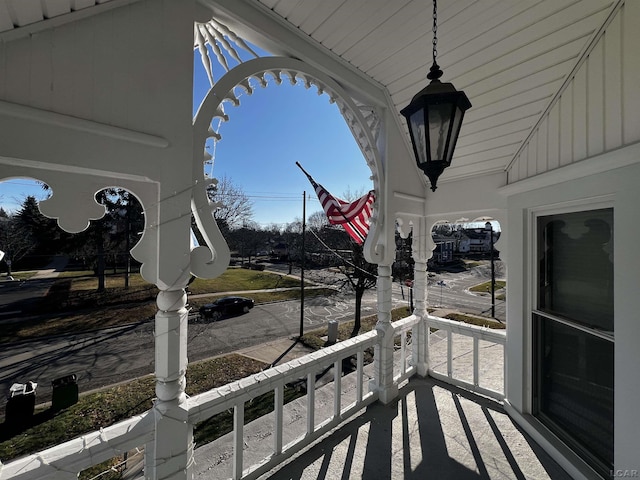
434,72
435,30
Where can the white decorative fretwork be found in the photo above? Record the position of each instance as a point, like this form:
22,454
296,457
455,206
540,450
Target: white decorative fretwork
244,70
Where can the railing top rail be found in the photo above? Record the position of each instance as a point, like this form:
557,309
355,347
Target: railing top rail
406,323
75,455
206,404
483,333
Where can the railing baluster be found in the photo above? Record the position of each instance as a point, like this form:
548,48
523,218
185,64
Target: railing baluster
476,362
403,352
311,403
449,354
238,439
337,387
278,401
476,333
360,379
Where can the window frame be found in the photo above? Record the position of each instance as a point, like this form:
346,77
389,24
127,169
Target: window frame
532,310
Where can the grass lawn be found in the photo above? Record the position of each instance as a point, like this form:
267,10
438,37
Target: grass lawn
235,279
486,286
473,320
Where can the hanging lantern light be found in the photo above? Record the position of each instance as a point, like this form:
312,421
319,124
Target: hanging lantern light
434,117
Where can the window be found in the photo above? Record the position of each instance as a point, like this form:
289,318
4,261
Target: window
573,332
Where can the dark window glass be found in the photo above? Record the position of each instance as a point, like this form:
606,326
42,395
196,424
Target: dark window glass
573,332
576,267
575,389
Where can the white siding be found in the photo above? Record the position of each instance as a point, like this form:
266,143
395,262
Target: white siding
598,109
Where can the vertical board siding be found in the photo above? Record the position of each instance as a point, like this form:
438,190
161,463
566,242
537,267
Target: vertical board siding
553,137
595,105
103,74
63,69
613,89
58,70
532,166
598,109
5,18
630,72
40,80
17,81
566,126
543,143
580,114
83,86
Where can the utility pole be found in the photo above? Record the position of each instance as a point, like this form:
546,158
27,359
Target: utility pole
304,227
489,228
127,232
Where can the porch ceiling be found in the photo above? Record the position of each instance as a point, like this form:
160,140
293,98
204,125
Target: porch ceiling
510,57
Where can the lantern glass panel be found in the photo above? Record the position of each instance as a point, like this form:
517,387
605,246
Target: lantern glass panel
439,119
456,124
419,135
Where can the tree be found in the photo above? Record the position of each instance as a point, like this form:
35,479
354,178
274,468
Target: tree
317,220
235,207
362,276
117,232
292,235
15,244
111,237
248,239
42,234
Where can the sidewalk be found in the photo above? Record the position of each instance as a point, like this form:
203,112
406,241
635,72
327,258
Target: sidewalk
277,351
55,267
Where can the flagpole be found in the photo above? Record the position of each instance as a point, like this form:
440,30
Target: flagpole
304,223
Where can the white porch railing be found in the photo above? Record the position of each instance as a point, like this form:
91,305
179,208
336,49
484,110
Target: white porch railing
234,395
66,460
404,367
475,334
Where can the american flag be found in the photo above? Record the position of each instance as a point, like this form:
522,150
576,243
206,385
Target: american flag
355,217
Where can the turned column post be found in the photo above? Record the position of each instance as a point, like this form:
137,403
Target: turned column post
383,351
170,456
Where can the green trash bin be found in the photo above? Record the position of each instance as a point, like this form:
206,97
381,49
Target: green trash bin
64,392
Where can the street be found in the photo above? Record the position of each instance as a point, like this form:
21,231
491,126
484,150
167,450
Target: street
113,355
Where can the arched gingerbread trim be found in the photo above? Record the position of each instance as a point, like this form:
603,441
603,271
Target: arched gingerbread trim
362,120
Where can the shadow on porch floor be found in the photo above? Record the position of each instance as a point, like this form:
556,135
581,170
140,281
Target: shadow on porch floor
433,431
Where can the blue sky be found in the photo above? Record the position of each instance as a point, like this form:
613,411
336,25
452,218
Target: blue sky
270,130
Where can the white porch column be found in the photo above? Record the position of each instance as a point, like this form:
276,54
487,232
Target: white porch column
170,456
383,351
420,335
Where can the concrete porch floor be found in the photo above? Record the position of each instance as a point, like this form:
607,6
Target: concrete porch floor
432,431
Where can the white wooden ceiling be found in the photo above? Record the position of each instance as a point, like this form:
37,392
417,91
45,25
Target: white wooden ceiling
510,57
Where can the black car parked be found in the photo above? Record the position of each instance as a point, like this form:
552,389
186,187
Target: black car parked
226,306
